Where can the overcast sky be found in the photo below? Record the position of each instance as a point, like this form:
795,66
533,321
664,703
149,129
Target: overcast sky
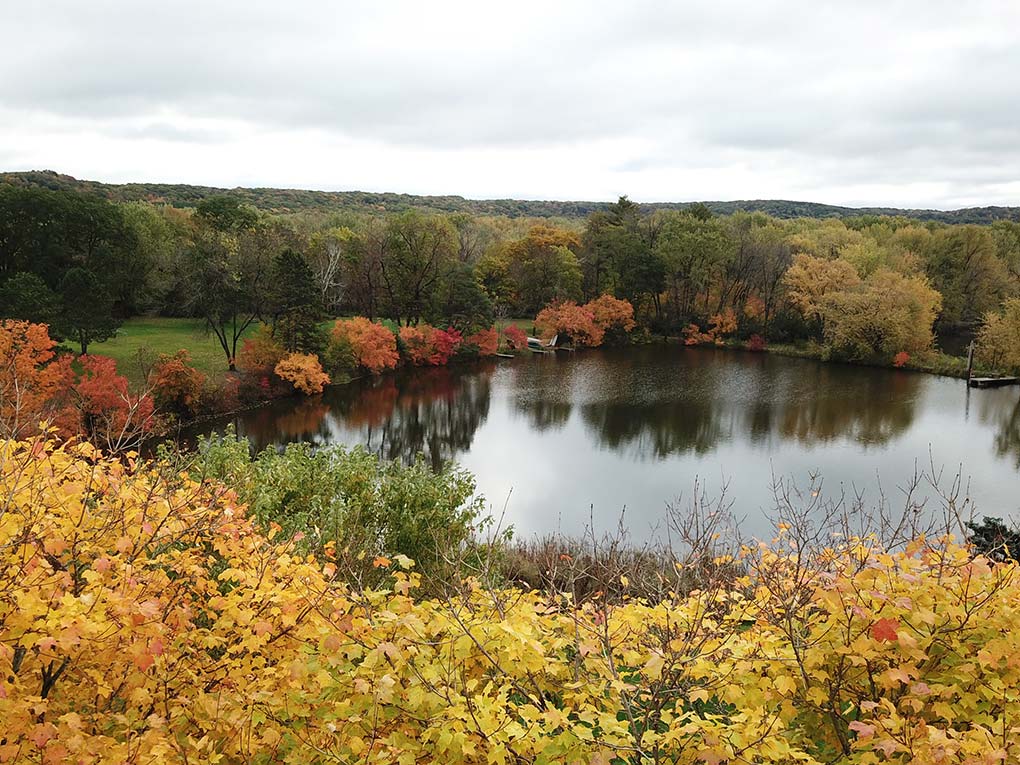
901,103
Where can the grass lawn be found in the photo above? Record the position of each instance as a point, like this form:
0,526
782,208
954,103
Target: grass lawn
162,335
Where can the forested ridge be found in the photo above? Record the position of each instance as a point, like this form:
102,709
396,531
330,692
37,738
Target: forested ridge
299,200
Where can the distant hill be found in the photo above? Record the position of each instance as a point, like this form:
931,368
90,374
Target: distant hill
297,200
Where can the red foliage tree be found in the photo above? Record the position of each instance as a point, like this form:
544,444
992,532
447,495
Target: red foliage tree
111,415
426,345
373,346
486,341
901,359
515,337
176,385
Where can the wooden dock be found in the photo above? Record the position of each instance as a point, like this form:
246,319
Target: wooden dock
993,382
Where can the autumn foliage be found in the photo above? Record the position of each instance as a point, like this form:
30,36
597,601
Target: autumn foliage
260,353
515,337
111,414
34,383
145,619
373,346
612,313
585,325
485,340
426,345
303,371
176,385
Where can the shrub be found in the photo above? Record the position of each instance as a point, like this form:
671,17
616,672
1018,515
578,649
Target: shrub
340,497
176,386
427,346
723,324
110,414
612,313
486,341
260,353
303,371
756,343
574,322
143,610
901,359
373,346
516,339
693,335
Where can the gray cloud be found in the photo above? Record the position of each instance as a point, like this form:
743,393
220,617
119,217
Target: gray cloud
818,99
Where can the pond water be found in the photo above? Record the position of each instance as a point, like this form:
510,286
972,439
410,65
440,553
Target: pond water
558,441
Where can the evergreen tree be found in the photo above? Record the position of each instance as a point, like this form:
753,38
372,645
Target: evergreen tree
296,304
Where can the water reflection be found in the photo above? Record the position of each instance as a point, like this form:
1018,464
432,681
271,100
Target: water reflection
635,427
1002,411
435,413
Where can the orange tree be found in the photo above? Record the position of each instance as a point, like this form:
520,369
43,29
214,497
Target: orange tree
34,382
372,346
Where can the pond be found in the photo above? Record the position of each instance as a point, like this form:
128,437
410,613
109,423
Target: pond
560,441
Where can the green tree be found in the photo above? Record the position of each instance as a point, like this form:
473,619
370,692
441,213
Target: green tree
962,263
294,300
693,250
87,314
419,253
227,285
25,296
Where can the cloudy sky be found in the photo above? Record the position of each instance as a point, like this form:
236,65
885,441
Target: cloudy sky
900,103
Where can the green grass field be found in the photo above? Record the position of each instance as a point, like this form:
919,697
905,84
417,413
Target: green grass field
161,335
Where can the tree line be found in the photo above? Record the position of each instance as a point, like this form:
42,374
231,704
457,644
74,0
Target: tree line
863,287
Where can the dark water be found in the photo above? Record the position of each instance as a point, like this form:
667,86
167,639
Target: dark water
566,438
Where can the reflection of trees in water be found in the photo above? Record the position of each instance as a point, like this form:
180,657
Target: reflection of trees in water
543,390
695,405
656,406
659,429
433,412
285,422
870,408
1002,411
544,414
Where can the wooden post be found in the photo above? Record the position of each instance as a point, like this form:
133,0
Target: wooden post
970,362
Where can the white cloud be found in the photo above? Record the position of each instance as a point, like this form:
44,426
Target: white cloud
906,103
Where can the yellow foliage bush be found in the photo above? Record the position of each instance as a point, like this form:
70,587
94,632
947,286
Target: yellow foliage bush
303,371
144,619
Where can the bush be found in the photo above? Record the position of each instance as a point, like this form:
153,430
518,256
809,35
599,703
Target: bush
260,353
901,359
484,342
516,339
372,346
303,371
111,416
149,610
177,387
756,343
575,323
425,345
349,498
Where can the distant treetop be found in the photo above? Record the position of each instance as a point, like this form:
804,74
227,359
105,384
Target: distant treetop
297,200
